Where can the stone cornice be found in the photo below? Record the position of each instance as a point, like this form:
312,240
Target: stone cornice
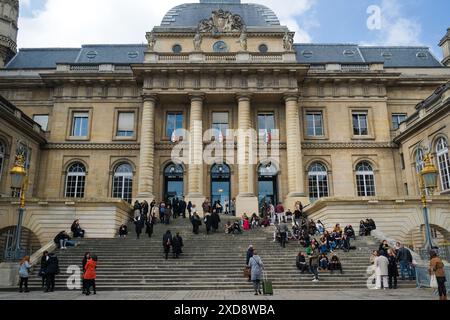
349,145
92,146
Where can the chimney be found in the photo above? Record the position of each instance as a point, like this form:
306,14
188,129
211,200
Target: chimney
445,45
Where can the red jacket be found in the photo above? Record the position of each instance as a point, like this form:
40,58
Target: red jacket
90,267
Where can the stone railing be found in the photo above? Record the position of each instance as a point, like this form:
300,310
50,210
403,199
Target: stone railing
336,67
86,68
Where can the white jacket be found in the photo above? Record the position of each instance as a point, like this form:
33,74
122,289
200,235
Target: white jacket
382,266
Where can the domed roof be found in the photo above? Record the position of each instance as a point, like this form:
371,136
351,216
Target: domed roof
190,14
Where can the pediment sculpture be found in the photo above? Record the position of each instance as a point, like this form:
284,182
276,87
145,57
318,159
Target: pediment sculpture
222,21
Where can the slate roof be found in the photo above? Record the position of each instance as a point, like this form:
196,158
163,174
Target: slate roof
392,57
190,14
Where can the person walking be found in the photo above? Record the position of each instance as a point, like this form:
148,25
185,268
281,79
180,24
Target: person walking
215,221
139,224
177,245
314,262
162,212
405,260
90,275
86,258
283,234
208,222
437,269
137,209
183,206
189,209
149,224
43,268
168,214
381,271
250,253
257,267
196,222
392,269
167,243
24,273
51,271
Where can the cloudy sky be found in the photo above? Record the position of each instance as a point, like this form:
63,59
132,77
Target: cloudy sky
70,23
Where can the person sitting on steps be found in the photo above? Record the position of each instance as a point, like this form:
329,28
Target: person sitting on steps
301,262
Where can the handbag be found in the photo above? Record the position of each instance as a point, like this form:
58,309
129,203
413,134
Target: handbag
433,282
247,271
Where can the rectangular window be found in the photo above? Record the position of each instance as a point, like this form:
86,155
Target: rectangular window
406,189
125,125
398,119
315,124
42,120
266,126
174,121
220,122
80,124
360,124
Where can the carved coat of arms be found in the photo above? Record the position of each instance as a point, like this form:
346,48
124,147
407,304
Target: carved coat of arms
222,21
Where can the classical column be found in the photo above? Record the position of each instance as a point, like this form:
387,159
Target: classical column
195,179
246,200
147,156
294,173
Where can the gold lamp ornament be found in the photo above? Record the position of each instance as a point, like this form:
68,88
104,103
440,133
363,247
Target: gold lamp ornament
18,172
429,175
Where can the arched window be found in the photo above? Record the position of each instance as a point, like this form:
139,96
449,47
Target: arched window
2,158
365,180
123,182
75,181
220,184
318,181
444,163
173,182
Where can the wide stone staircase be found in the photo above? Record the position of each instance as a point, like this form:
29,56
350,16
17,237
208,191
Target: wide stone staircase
209,262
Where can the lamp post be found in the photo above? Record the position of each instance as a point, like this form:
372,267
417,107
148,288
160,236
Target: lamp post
428,184
18,182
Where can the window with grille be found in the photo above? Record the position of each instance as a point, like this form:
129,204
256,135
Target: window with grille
318,181
266,126
125,124
80,123
123,182
365,180
444,163
315,124
75,181
360,124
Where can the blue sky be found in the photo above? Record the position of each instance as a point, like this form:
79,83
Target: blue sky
405,22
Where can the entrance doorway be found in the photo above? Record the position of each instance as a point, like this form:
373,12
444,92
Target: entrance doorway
267,184
220,184
173,182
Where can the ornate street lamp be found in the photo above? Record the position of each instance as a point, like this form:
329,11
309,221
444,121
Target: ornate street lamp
19,181
428,185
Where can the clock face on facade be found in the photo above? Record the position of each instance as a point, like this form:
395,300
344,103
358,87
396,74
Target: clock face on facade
220,46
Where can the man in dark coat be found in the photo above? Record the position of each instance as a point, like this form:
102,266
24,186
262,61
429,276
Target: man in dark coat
208,222
182,208
405,259
196,223
139,223
51,270
167,243
177,244
215,220
149,223
248,257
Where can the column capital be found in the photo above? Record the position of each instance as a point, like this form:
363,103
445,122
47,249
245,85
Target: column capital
150,98
197,96
244,96
290,97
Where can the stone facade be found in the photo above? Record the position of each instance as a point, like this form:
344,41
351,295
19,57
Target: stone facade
182,74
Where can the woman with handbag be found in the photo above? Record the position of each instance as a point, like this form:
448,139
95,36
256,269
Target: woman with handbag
257,268
437,272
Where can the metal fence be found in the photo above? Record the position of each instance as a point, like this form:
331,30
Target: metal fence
443,252
423,277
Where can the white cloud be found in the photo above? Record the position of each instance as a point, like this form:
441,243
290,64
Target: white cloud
70,23
396,30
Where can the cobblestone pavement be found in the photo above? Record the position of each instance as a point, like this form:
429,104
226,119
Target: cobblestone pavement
401,294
